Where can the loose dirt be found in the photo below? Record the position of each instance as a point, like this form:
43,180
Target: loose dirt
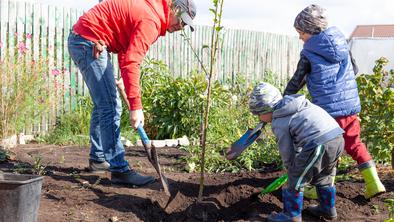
70,193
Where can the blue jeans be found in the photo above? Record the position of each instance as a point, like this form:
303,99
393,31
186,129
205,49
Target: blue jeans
99,77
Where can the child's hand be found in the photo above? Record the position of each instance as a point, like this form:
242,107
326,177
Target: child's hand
230,155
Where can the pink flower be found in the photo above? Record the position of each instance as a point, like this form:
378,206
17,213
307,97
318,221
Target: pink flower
22,48
55,72
28,35
16,34
1,45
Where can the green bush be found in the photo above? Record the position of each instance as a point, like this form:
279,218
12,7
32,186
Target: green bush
173,108
377,101
172,105
72,127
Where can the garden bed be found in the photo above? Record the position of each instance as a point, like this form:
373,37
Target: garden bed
70,193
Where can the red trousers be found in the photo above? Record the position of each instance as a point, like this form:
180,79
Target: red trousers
353,145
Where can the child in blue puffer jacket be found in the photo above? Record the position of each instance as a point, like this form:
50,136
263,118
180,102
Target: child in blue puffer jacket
328,69
310,142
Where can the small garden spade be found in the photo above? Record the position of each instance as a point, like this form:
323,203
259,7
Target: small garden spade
275,185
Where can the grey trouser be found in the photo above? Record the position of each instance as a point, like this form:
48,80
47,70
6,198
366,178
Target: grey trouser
315,166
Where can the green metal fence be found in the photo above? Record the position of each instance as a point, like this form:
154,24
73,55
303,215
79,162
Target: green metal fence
44,30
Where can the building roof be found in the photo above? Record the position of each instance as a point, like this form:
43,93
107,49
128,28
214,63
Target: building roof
373,31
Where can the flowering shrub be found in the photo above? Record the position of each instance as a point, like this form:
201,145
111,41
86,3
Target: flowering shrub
28,91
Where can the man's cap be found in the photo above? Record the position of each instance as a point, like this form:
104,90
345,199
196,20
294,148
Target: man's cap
312,20
188,11
264,98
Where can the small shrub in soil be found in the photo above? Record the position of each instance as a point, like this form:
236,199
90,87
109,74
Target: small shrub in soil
377,114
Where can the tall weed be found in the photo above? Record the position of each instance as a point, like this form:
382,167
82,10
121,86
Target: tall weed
28,89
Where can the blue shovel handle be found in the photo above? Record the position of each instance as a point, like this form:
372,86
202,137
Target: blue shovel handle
142,133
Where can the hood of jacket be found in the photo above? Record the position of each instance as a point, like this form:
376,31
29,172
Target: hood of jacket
330,44
290,105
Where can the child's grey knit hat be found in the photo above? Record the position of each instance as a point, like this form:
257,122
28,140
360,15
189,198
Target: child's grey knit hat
311,20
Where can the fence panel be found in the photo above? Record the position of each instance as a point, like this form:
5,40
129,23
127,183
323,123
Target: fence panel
44,30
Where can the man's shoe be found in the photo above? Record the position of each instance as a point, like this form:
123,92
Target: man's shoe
98,167
131,178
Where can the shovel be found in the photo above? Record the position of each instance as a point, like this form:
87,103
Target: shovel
149,149
244,142
153,159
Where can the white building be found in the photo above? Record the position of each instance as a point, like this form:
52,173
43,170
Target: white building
370,42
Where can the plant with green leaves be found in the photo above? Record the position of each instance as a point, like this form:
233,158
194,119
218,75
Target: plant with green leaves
377,101
172,104
38,166
4,155
389,203
215,38
174,108
28,88
229,119
72,127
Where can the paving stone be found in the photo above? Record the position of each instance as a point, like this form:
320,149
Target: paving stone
184,141
159,143
171,142
9,142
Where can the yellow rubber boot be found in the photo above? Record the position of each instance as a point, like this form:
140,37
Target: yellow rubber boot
373,185
310,192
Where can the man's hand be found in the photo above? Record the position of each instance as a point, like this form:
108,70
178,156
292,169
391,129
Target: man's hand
98,48
136,118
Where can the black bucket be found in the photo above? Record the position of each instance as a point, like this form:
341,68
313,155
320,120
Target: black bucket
19,197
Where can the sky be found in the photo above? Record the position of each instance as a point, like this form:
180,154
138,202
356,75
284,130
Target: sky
277,16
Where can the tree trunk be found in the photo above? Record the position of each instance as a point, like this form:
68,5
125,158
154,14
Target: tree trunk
392,159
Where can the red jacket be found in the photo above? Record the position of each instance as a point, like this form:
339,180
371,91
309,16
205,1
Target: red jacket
129,28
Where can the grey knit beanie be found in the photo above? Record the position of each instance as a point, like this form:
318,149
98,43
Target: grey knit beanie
264,98
311,20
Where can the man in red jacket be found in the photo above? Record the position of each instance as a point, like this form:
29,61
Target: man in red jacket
127,28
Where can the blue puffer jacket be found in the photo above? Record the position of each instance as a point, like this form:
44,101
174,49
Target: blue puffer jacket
331,82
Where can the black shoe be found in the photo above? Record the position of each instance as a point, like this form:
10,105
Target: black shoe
98,167
131,178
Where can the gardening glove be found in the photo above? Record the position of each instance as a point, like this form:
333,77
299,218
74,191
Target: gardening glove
98,47
136,118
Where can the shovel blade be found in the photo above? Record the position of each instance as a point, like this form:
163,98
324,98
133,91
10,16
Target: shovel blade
156,165
153,158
